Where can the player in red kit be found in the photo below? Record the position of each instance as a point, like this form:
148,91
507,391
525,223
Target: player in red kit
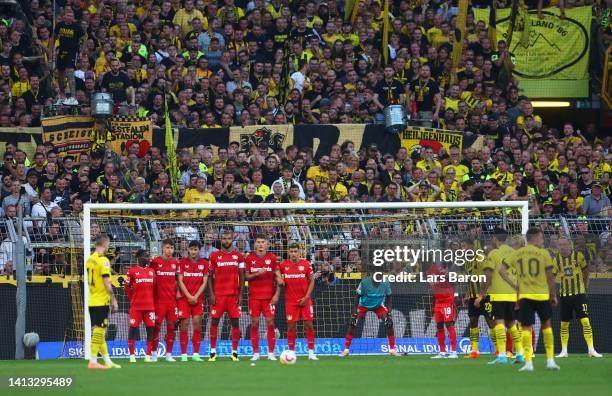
165,267
226,284
299,282
140,289
444,311
264,289
192,278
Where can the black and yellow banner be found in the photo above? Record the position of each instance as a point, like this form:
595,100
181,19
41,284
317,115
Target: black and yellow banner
415,137
129,129
552,53
70,135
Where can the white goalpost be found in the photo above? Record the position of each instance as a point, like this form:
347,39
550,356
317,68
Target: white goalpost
319,222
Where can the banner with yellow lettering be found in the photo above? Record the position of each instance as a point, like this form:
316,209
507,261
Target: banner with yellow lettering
133,129
413,138
70,135
553,61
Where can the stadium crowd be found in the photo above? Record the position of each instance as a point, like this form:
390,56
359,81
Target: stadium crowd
233,62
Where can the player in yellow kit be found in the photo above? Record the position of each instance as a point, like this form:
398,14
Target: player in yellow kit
100,295
501,286
537,294
573,275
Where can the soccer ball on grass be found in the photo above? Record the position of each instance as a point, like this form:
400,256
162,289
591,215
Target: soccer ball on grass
288,357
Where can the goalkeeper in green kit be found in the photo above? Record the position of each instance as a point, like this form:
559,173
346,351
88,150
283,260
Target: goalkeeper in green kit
376,297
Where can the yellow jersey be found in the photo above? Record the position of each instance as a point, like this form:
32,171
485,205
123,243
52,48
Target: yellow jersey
194,196
499,289
98,267
569,272
531,263
317,174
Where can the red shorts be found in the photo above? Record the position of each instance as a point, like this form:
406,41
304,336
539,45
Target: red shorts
166,311
294,312
136,316
186,310
379,311
257,307
445,311
224,304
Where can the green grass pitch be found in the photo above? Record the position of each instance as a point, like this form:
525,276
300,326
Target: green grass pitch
356,375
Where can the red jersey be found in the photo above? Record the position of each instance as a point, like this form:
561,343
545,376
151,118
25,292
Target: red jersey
140,288
442,289
165,285
193,275
225,268
296,276
262,287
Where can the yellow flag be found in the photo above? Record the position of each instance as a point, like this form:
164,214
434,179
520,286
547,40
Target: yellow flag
172,165
385,40
459,34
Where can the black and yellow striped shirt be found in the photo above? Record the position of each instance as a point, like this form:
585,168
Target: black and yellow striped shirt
569,270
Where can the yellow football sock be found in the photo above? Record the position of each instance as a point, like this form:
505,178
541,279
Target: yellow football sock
516,339
97,338
527,347
565,335
587,331
493,340
549,342
500,336
474,333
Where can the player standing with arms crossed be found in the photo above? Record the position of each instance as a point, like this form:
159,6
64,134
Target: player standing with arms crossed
444,311
192,278
375,297
262,272
299,284
501,285
100,295
140,290
226,285
537,294
165,267
573,271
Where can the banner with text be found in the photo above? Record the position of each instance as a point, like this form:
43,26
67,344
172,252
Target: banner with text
133,129
70,135
413,138
554,60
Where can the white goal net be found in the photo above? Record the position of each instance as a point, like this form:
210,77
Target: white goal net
339,240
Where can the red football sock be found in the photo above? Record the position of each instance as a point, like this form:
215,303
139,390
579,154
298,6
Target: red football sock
149,347
235,337
347,341
441,339
271,338
156,331
310,336
291,339
453,338
169,338
214,329
196,338
392,342
533,341
184,340
131,346
508,341
255,339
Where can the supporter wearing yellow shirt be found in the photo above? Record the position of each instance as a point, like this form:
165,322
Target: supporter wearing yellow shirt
199,195
460,169
428,162
320,172
184,16
22,85
501,174
229,12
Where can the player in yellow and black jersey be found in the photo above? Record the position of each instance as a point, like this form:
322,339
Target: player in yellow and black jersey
474,267
100,296
501,286
537,294
573,275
